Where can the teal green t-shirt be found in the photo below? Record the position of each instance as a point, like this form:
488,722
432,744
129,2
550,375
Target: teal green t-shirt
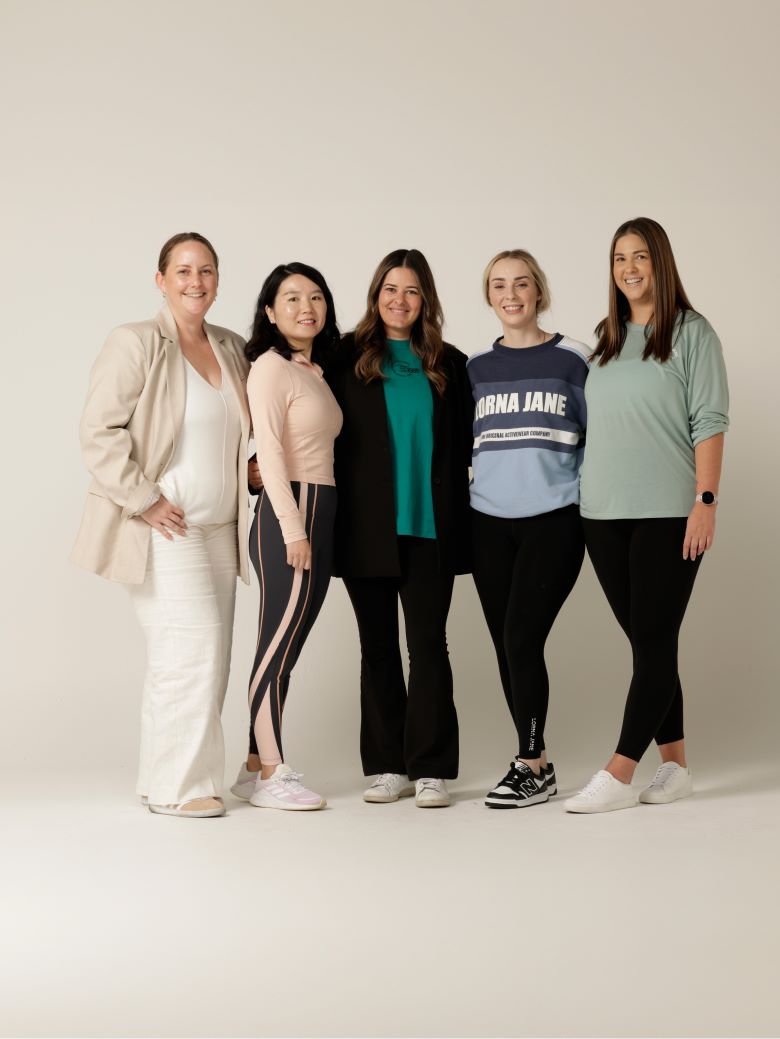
410,425
644,421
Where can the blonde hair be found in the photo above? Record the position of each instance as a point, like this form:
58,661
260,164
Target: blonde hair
537,274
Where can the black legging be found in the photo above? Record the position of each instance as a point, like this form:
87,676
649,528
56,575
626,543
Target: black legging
640,566
414,734
524,570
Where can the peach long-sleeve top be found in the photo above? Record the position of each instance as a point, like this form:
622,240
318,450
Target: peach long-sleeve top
295,419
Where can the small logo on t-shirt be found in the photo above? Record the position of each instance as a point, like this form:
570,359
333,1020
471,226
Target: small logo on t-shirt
402,368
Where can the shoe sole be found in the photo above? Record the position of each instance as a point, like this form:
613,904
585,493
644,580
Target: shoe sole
599,809
206,813
537,799
378,799
663,800
432,804
291,808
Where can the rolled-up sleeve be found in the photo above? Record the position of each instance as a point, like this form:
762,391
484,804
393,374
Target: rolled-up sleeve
708,391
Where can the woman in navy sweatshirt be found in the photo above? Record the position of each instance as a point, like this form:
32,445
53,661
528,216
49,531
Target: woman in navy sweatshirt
529,435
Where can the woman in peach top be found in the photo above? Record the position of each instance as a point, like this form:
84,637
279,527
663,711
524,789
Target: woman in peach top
296,419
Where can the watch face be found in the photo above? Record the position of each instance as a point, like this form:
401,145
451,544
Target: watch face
707,497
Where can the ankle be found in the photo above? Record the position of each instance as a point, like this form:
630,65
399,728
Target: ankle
673,752
533,763
621,768
253,763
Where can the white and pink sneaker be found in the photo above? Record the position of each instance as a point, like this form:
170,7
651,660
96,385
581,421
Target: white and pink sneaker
284,790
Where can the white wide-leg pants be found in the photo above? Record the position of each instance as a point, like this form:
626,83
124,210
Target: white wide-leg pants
185,607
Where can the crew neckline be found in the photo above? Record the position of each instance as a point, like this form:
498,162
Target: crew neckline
514,350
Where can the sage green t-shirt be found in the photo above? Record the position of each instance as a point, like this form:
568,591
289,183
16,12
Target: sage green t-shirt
410,424
644,420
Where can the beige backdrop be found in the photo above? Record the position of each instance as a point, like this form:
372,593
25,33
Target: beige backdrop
332,132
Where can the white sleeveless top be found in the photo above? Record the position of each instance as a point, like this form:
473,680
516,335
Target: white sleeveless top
202,478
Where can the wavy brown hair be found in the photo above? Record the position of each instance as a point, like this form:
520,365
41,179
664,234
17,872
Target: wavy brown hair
669,299
425,339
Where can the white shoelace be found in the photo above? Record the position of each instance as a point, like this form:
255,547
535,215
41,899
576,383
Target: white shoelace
430,784
664,772
594,786
293,781
387,779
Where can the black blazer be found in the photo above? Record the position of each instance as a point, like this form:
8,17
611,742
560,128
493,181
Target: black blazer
366,543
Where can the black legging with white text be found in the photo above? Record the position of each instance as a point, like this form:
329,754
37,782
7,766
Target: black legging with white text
524,570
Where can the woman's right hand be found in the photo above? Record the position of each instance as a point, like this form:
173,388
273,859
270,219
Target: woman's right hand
168,519
299,554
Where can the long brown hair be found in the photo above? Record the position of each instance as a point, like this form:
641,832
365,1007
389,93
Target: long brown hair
425,339
669,299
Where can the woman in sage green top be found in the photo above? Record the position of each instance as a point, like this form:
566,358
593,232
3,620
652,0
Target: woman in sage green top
402,523
657,402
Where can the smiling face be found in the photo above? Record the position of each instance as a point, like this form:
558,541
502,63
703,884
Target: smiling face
632,270
400,302
189,281
299,311
513,293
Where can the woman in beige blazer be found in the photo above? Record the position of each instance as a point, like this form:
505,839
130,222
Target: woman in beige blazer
164,434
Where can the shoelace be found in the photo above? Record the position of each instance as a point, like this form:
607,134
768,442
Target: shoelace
292,779
386,780
595,785
663,773
430,784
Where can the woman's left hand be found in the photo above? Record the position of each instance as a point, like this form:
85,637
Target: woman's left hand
699,531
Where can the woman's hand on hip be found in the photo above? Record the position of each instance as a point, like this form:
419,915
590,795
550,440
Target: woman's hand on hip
299,554
168,519
699,531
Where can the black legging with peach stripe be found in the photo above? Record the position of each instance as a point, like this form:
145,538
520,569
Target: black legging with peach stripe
290,601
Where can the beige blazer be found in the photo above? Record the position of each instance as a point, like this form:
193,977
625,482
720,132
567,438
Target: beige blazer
130,426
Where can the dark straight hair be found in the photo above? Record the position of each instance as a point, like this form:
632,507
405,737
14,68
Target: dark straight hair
266,336
669,299
426,338
178,239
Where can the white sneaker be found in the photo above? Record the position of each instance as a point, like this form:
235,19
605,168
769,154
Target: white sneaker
244,785
284,790
603,793
388,787
671,782
431,793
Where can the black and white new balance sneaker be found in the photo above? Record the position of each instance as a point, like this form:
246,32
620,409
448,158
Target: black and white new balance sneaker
552,782
519,787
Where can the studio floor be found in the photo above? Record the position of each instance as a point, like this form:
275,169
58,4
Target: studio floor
385,920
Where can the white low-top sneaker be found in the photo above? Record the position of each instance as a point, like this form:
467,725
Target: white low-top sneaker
388,787
244,785
431,793
284,790
670,783
603,793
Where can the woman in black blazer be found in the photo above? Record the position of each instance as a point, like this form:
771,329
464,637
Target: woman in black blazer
402,524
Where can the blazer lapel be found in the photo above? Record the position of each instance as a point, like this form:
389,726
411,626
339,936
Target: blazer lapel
175,383
230,373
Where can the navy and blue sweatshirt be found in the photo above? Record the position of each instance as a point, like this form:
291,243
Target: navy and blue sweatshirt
529,427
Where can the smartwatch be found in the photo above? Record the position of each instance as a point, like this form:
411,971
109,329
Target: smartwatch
707,498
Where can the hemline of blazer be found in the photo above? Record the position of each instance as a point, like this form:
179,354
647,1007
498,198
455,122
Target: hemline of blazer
366,541
129,430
